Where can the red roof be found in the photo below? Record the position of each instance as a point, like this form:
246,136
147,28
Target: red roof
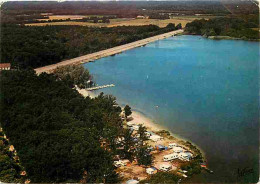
5,65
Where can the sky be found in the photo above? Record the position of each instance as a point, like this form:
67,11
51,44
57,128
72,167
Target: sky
2,1
127,0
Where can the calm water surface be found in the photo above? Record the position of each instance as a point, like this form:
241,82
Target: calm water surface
206,90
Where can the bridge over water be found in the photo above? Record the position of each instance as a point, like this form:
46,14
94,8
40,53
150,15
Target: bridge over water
107,52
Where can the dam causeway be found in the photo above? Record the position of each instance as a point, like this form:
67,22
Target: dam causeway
108,52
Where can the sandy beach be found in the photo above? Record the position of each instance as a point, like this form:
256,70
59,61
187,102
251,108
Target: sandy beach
138,118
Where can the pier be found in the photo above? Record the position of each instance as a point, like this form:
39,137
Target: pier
100,87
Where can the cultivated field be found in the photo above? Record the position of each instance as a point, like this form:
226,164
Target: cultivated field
72,17
64,17
68,23
160,23
121,22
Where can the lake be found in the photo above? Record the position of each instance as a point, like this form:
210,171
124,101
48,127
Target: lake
207,92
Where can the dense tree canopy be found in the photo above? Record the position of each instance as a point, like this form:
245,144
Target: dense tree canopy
61,136
127,110
57,132
74,75
10,170
28,46
142,133
162,177
192,167
143,155
239,27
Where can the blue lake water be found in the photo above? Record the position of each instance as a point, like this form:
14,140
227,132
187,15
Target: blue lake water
206,90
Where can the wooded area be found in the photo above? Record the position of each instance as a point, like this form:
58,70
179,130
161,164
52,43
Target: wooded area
34,47
9,163
56,131
237,27
60,135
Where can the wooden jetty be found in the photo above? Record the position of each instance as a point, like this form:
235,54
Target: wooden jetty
100,87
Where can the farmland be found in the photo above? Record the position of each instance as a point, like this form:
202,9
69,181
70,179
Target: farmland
122,21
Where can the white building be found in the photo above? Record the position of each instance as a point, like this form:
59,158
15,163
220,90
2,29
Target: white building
155,138
165,167
170,157
172,145
148,133
177,149
151,170
119,163
130,124
135,127
185,156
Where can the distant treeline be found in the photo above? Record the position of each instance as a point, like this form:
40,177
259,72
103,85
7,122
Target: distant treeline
20,19
87,19
38,18
129,9
118,8
237,27
28,46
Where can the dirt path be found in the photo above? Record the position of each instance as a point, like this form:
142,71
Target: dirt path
107,52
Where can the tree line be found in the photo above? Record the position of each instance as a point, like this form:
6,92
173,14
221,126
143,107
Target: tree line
238,27
28,46
38,18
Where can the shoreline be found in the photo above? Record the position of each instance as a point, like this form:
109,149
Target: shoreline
218,37
140,118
